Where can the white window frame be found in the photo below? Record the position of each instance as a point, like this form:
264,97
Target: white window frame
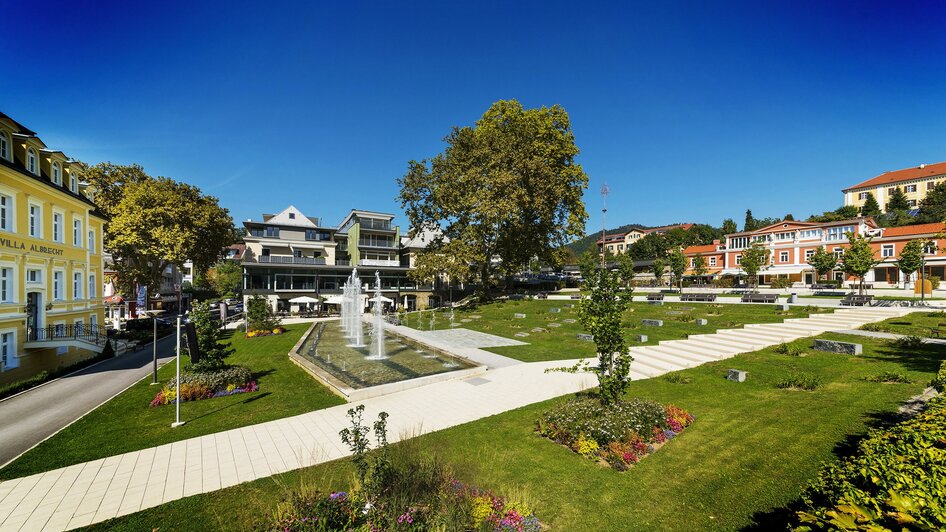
73,182
92,288
712,261
839,253
59,281
931,245
91,241
808,254
77,287
7,212
58,229
6,146
38,275
887,251
862,196
783,256
35,219
32,161
909,188
738,260
7,283
57,173
8,355
77,230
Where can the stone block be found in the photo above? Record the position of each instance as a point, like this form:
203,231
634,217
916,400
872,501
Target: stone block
653,323
554,324
569,320
569,305
782,306
539,329
736,375
657,302
555,310
845,348
519,315
673,313
701,321
585,337
641,337
521,334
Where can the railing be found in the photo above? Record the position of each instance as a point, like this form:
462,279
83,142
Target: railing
375,243
373,224
79,331
276,259
342,262
378,262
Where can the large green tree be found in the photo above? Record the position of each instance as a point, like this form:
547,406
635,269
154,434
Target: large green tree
750,224
507,188
225,278
823,261
898,201
910,259
754,259
678,264
858,258
870,207
699,265
933,206
729,226
156,222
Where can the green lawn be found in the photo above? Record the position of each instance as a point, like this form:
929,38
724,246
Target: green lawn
751,450
127,423
917,323
562,343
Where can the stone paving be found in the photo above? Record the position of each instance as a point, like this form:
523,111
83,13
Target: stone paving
92,492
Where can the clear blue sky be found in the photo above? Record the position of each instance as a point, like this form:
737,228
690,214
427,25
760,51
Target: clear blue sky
690,111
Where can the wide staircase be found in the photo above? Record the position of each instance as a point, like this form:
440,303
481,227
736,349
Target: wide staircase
673,355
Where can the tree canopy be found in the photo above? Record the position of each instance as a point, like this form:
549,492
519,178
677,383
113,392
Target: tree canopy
729,226
823,261
870,207
754,259
225,278
933,206
911,257
858,258
506,188
678,264
898,201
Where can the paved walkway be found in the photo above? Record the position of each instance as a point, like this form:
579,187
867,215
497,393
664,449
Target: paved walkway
33,416
888,336
91,492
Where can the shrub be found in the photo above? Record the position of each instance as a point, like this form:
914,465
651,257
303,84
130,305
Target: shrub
939,381
894,481
800,381
781,282
785,348
209,339
677,378
907,342
875,327
934,281
216,379
889,377
724,282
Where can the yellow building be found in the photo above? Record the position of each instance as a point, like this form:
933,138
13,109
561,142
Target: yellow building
915,182
50,258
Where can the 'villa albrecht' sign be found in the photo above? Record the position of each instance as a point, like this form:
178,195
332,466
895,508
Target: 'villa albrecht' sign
21,246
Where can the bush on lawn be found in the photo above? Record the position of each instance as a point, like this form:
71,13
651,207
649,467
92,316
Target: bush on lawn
939,381
895,481
800,381
781,282
197,385
619,435
907,342
785,348
889,377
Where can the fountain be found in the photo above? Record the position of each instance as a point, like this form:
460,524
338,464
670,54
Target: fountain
377,329
352,324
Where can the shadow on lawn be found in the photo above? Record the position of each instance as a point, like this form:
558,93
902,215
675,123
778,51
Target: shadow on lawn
926,358
255,397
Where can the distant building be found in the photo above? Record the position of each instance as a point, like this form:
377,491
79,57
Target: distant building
621,242
915,182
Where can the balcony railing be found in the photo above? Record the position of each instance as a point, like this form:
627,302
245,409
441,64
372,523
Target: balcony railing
278,259
378,262
79,331
342,262
375,243
375,224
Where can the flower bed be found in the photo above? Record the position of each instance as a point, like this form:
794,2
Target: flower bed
196,386
265,332
619,435
461,507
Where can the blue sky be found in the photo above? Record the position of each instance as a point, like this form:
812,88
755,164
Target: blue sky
689,111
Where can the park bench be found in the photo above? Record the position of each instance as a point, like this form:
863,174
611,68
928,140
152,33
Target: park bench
698,297
823,286
655,297
854,286
575,297
542,295
852,300
759,298
937,332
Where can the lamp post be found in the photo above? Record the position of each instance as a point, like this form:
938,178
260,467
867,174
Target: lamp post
154,344
177,385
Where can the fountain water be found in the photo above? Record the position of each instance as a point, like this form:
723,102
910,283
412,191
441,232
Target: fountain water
377,329
352,310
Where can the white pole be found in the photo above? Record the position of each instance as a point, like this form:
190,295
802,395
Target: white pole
177,394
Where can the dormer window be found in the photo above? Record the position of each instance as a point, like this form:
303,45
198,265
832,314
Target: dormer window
57,173
32,163
4,145
292,216
73,182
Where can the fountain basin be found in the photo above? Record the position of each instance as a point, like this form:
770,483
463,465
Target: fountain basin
324,353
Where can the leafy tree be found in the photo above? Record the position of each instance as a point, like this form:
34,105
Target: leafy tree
846,212
789,217
823,261
858,258
507,188
750,224
600,314
225,278
157,222
897,218
625,269
898,201
678,264
870,207
754,259
911,258
699,265
933,206
658,269
259,315
213,351
729,226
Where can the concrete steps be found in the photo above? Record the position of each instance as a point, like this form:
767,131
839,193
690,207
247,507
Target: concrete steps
686,356
699,348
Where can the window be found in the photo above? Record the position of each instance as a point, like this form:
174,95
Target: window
811,233
77,232
692,262
4,145
739,242
909,188
92,287
33,276
73,182
783,256
32,162
784,236
930,248
738,260
292,216
91,241
808,254
839,233
36,221
6,213
886,250
6,285
891,190
712,261
911,203
8,351
57,227
57,173
620,247
838,252
930,185
862,195
57,285
77,285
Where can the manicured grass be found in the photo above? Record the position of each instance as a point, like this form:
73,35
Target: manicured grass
127,423
917,323
750,452
562,343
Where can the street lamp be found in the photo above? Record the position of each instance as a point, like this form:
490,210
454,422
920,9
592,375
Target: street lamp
177,386
153,314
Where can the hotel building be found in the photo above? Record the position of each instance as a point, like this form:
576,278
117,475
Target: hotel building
51,269
290,255
915,182
621,242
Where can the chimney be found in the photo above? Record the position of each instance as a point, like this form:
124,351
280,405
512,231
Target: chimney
922,166
716,242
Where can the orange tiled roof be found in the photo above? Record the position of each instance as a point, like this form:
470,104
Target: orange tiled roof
708,248
897,176
921,229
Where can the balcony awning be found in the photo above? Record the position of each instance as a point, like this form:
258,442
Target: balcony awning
307,245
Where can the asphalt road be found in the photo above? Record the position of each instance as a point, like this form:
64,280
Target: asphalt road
33,416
